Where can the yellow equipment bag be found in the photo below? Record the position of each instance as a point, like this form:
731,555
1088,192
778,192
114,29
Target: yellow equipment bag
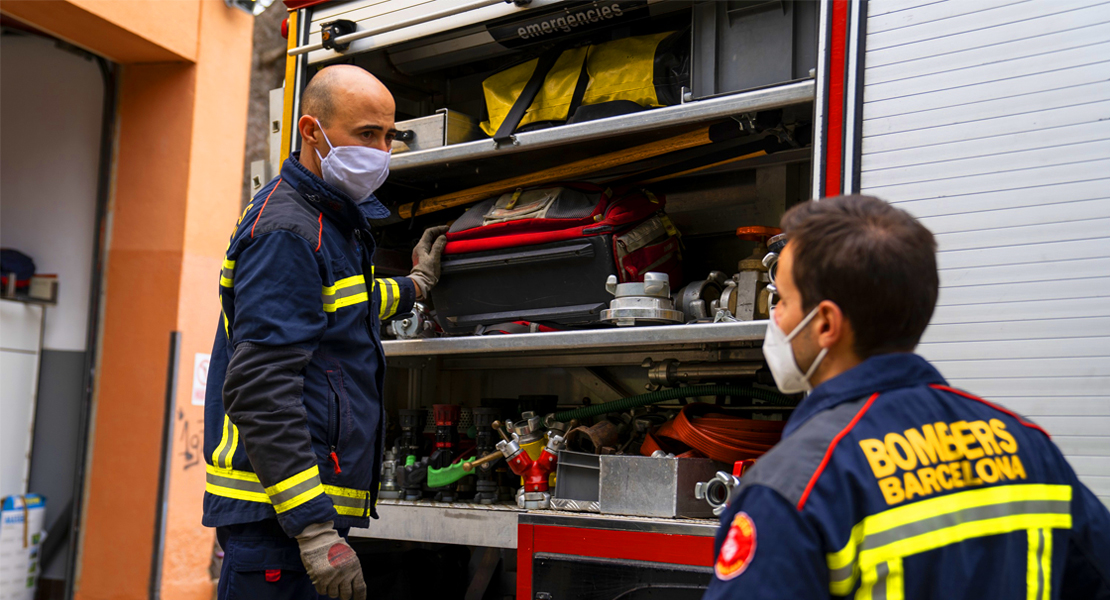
626,75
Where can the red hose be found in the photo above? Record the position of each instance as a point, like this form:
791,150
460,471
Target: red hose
710,432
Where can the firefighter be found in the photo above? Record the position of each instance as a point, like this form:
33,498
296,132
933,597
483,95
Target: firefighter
293,414
888,483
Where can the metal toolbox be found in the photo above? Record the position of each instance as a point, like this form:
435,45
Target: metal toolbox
643,486
577,482
639,486
444,128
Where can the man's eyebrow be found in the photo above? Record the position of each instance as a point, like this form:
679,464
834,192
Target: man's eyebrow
375,128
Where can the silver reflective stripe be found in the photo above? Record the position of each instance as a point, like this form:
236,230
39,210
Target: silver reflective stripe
235,484
302,487
228,274
347,292
978,513
223,460
842,573
879,591
347,501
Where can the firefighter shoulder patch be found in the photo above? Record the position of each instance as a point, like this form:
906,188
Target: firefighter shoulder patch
738,549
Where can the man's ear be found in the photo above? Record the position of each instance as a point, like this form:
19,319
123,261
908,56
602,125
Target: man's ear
831,324
309,130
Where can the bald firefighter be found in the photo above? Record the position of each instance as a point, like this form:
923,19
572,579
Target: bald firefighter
293,416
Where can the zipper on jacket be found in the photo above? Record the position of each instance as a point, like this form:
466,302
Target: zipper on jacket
333,427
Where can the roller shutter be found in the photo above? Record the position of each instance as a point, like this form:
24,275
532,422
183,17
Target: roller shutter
990,121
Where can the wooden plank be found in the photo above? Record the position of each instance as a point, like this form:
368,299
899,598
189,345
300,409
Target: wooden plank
571,170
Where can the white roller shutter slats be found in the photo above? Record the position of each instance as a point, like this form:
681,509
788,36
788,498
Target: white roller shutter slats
990,121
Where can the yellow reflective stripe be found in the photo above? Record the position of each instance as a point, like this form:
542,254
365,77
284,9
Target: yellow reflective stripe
237,475
227,274
1046,564
396,296
1038,572
389,297
224,440
343,283
226,492
335,298
296,490
348,502
349,300
240,485
244,485
963,500
961,532
227,325
383,297
287,483
1032,564
877,544
842,564
299,499
346,492
882,581
234,445
895,582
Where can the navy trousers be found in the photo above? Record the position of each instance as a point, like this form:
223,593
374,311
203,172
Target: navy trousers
261,562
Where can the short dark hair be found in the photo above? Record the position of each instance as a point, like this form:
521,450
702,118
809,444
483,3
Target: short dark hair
316,100
875,261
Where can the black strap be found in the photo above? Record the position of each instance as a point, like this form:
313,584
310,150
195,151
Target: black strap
543,66
580,87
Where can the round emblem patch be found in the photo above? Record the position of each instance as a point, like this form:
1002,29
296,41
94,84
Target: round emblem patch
738,549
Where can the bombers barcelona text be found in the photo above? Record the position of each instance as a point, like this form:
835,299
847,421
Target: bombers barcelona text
939,456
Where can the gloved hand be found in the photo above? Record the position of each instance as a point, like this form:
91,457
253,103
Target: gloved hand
332,565
425,260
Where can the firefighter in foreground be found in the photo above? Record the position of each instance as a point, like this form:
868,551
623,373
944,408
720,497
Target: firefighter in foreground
294,417
888,483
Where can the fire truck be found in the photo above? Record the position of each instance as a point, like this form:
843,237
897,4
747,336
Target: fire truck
986,120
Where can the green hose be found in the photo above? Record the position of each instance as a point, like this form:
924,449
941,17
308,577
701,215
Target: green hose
773,398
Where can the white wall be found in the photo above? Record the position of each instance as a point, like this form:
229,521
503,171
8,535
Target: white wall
990,121
49,155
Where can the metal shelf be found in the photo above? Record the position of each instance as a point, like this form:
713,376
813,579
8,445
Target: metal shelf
495,525
709,109
617,338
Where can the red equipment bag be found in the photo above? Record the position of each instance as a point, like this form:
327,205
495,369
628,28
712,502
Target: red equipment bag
543,255
644,239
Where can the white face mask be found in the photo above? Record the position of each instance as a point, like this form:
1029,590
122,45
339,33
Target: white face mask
356,170
780,356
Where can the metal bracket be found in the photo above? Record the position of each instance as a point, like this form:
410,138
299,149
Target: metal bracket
333,30
601,386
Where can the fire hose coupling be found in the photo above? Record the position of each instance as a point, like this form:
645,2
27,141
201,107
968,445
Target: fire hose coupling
509,448
555,444
717,491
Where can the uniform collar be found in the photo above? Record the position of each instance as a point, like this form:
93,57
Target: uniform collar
309,185
877,374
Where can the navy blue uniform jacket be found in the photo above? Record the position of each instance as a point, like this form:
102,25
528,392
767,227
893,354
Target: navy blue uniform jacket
293,414
889,484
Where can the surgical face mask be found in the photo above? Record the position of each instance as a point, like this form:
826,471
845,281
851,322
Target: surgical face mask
356,170
780,356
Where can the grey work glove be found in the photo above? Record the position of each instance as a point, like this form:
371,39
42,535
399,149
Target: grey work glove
332,565
426,258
